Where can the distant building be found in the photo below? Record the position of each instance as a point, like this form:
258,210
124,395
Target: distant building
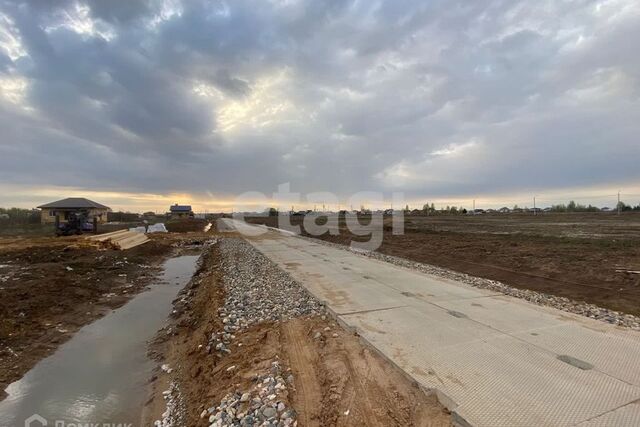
62,209
180,211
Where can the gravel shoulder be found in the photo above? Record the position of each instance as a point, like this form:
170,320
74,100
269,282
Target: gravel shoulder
249,346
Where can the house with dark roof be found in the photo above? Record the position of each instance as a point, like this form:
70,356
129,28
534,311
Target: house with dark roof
63,208
179,211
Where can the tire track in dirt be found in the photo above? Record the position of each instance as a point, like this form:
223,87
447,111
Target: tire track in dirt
360,389
302,362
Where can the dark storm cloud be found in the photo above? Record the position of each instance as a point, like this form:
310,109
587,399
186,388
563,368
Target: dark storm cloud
435,98
5,63
119,11
230,85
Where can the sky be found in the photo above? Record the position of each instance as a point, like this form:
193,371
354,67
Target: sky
139,104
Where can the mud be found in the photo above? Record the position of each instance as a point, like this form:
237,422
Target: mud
337,381
51,287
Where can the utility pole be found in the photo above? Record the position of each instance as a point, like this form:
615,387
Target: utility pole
535,212
618,205
474,206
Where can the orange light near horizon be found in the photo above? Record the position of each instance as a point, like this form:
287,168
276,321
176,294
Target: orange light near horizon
13,195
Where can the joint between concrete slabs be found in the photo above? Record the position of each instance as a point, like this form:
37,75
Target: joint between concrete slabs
349,313
633,402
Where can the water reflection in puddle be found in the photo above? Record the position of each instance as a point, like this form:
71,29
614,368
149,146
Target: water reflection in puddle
100,374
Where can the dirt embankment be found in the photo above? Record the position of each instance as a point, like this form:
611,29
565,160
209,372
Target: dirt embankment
589,258
50,287
331,378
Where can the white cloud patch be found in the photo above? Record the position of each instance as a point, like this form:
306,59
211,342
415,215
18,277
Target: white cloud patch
453,150
77,18
10,38
13,89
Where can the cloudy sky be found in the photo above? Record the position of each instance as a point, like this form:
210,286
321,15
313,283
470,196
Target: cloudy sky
138,104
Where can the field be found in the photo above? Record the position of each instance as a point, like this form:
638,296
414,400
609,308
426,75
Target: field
51,287
592,257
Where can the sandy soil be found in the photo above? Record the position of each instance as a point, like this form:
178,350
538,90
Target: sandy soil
584,257
51,287
338,380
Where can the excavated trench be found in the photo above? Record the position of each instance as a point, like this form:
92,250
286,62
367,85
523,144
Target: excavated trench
100,375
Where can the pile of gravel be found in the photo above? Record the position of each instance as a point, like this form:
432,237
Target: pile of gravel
257,290
263,405
174,414
561,303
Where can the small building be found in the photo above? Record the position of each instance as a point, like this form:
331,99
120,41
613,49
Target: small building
180,211
62,209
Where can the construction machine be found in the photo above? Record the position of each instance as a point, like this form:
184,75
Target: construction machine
77,223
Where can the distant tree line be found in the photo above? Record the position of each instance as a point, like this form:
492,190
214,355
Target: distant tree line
13,216
429,209
626,208
572,206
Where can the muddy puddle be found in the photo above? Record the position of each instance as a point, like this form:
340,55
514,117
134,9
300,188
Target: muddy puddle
100,375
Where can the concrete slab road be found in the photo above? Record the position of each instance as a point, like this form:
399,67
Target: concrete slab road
494,360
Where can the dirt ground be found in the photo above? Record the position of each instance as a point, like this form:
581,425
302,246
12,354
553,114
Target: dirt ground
185,225
50,287
337,380
585,257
